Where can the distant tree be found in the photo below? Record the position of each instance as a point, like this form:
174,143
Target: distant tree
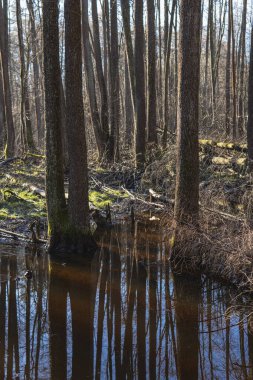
187,178
140,111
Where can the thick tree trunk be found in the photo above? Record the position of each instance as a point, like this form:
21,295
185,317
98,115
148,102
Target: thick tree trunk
187,179
10,143
151,112
140,85
56,204
78,202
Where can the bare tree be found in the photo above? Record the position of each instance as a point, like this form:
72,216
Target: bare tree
187,202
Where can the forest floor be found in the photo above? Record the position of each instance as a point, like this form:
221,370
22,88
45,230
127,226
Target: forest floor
222,245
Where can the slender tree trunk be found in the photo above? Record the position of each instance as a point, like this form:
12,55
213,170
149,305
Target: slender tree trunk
36,72
167,70
4,50
228,75
2,112
101,138
140,85
234,125
151,112
250,108
129,117
242,71
187,202
125,9
25,106
114,81
100,74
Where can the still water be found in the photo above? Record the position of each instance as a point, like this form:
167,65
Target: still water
123,315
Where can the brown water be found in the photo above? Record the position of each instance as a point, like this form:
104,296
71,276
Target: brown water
123,315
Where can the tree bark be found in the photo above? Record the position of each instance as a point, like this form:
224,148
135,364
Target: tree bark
25,106
187,179
78,201
36,72
104,115
250,108
140,111
56,204
151,112
114,81
4,50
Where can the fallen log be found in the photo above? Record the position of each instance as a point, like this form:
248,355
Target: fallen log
20,236
223,145
214,211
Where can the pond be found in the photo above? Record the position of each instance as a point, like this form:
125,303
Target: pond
123,315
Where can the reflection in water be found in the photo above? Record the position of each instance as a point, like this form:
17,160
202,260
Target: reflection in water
124,315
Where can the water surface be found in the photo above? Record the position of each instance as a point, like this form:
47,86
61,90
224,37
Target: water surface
124,315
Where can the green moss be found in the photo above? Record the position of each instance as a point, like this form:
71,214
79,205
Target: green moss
108,196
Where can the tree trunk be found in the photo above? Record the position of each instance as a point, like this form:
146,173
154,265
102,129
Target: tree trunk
151,112
140,111
101,138
125,9
242,71
100,75
114,81
25,106
78,202
36,72
4,50
56,204
228,76
250,108
187,179
167,70
2,112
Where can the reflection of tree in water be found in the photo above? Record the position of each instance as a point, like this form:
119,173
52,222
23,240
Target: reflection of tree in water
122,315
